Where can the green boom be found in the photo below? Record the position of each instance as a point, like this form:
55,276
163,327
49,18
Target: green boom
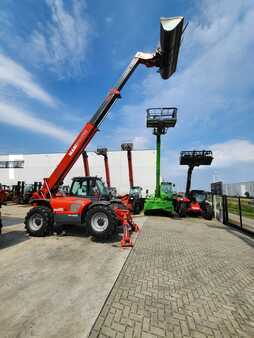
158,165
162,201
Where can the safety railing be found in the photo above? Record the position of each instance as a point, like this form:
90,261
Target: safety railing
237,211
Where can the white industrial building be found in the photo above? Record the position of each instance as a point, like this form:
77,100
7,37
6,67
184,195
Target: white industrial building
239,189
34,167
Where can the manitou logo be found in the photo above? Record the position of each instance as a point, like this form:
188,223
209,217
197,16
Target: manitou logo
73,148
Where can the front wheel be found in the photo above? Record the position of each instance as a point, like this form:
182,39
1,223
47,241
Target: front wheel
136,207
39,221
101,221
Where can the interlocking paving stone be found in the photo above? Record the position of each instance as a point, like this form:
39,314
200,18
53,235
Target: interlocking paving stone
183,278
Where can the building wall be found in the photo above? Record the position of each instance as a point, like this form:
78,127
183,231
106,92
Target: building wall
239,189
38,166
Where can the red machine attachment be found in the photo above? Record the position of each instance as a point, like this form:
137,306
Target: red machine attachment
128,225
126,239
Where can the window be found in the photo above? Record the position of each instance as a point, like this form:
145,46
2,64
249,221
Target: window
79,188
11,164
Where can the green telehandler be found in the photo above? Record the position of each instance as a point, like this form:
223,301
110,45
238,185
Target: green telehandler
160,119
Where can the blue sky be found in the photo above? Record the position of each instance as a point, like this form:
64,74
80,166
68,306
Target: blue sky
58,59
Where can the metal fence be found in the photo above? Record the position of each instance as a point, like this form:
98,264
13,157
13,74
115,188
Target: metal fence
237,211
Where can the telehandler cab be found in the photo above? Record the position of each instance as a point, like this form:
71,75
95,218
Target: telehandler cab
100,216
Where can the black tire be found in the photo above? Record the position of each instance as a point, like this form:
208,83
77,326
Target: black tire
208,213
39,221
136,208
101,221
182,210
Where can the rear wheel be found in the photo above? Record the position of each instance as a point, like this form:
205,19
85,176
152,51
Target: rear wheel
182,210
101,221
39,221
208,213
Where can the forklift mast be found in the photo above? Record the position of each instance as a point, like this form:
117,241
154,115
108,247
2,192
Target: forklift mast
165,58
194,158
129,147
86,163
189,175
160,119
104,152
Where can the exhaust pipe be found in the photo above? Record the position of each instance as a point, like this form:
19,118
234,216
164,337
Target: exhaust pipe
171,30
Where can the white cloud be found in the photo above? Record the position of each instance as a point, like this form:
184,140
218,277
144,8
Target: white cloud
232,153
11,73
61,42
13,115
140,142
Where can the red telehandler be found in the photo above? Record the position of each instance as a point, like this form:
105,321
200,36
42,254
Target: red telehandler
134,199
87,202
195,201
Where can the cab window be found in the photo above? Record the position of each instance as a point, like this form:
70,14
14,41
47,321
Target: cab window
79,188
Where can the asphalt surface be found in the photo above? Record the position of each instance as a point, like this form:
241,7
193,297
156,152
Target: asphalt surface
53,286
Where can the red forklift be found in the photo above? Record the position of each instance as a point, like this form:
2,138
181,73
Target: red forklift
194,202
88,202
134,199
104,152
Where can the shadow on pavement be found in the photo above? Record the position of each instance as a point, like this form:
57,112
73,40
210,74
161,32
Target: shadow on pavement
115,240
81,231
236,231
9,221
12,238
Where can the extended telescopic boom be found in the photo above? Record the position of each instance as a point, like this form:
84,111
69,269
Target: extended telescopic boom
104,152
194,158
129,147
165,58
86,163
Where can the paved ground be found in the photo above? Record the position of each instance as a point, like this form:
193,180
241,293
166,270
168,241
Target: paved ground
184,278
53,286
